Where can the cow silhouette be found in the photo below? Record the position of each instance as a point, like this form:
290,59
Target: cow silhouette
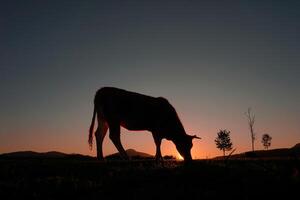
116,107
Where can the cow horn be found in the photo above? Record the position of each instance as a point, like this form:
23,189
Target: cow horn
195,136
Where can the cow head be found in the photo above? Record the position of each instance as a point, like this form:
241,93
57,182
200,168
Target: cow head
184,146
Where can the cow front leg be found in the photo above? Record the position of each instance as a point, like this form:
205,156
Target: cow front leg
114,135
157,140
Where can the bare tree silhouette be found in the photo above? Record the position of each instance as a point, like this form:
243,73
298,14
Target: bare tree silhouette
251,120
266,140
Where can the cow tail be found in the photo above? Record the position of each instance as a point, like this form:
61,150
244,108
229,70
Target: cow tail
91,131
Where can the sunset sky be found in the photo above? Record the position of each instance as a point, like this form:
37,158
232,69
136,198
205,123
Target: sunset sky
211,59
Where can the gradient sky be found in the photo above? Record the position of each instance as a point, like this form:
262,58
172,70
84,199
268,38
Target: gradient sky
211,59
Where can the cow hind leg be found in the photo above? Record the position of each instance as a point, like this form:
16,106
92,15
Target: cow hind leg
100,134
114,135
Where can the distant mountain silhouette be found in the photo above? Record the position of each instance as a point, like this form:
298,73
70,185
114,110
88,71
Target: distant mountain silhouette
132,154
55,154
297,146
272,153
50,154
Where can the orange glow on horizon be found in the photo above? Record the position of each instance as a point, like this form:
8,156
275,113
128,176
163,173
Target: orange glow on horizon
179,157
142,141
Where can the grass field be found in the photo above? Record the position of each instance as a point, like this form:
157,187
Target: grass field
203,179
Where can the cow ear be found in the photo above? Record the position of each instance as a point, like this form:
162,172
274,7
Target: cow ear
195,137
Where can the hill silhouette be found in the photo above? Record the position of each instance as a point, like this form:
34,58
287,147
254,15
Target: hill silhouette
50,154
297,146
55,154
272,153
132,154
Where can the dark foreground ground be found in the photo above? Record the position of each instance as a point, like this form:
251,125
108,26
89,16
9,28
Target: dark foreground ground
203,179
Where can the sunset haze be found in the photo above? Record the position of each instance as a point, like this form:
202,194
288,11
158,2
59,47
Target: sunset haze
211,60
